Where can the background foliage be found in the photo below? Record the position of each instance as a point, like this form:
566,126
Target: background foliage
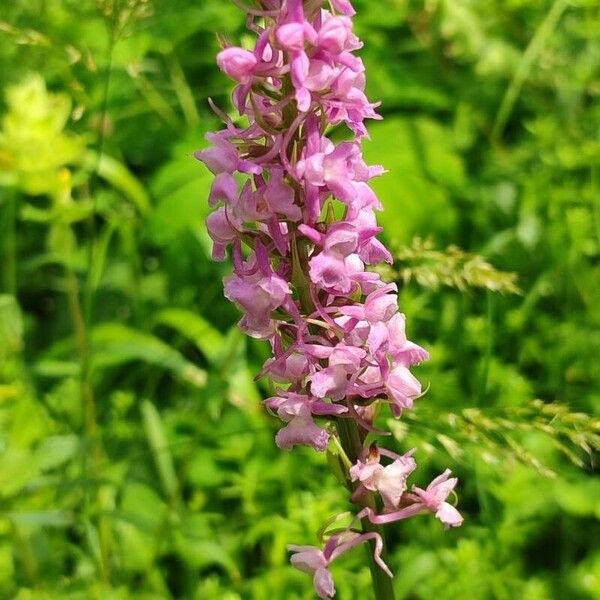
135,460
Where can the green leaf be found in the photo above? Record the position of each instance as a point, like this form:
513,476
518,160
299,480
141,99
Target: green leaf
157,440
181,186
43,518
120,177
17,469
207,339
185,207
56,450
141,506
57,368
203,553
116,344
34,214
423,169
11,325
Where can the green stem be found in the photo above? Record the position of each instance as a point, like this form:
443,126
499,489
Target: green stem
158,102
25,553
9,243
90,423
489,347
594,181
183,91
534,49
351,443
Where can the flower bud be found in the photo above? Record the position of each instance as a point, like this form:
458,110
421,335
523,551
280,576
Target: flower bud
334,34
290,37
237,63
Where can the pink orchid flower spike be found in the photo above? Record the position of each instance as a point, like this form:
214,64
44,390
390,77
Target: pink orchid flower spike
298,217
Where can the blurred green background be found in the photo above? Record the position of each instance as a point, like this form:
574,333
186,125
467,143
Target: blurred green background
135,459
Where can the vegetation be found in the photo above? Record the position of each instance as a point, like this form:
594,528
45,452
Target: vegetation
135,458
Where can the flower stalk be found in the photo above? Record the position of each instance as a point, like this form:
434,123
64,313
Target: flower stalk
349,437
297,216
9,242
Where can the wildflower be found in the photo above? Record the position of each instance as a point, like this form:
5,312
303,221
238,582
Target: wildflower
434,499
389,481
298,410
298,216
239,64
402,387
312,560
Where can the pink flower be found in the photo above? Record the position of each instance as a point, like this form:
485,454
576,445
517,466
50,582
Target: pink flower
312,560
337,266
223,189
372,251
402,350
332,380
278,197
292,369
342,170
334,272
257,295
297,410
389,481
378,306
290,36
319,76
223,156
299,216
403,387
223,230
344,6
434,499
238,63
335,35
301,429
